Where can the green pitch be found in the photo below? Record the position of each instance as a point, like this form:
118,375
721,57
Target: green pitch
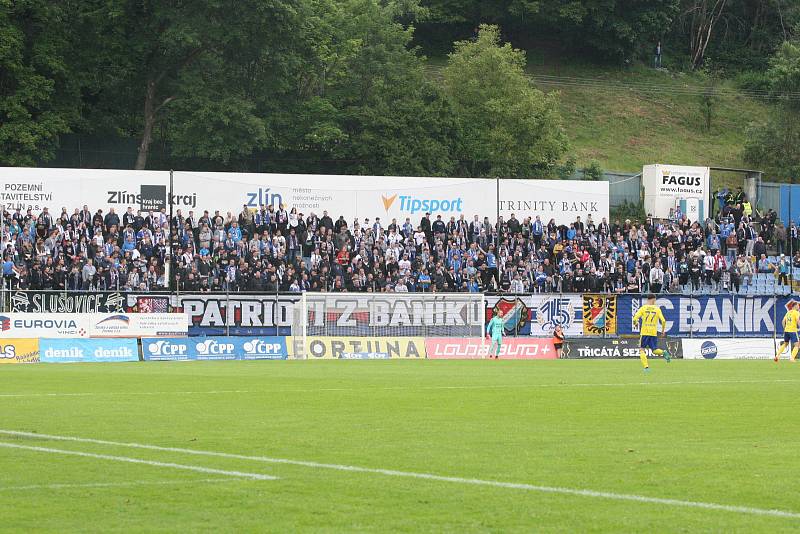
401,446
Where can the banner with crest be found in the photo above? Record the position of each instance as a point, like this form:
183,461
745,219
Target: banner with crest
599,315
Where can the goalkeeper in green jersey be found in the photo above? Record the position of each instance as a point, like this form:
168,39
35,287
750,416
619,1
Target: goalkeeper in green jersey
495,330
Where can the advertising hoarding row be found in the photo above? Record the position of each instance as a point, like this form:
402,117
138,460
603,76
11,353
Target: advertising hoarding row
73,350
412,314
359,197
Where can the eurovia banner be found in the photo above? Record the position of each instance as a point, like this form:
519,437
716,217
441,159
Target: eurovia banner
19,350
599,315
360,348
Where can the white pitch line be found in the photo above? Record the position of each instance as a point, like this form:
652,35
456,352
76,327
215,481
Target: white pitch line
428,476
197,468
132,393
116,484
403,388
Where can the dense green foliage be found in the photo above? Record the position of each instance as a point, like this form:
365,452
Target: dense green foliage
513,128
340,86
711,431
775,143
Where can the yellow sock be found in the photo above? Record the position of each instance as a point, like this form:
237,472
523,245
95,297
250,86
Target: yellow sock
658,352
794,352
643,357
780,351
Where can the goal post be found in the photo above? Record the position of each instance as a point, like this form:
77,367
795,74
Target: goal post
387,315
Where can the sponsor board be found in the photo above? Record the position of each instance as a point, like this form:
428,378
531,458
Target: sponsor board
351,196
88,350
152,197
351,315
84,325
67,302
513,348
344,348
214,348
24,350
538,315
237,314
599,315
615,348
731,349
137,324
28,325
666,185
709,316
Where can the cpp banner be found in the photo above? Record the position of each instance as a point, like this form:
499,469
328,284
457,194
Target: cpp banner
709,316
88,350
214,348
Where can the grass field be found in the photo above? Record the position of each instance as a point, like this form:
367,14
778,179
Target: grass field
400,446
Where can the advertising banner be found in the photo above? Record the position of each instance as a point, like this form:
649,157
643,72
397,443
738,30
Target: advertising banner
599,315
731,349
615,348
513,348
353,197
360,348
709,316
414,314
666,185
562,200
29,325
214,314
25,350
216,348
68,302
137,324
88,350
153,197
538,315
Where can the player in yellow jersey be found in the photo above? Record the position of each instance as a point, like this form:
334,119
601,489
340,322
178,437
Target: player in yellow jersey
650,315
791,322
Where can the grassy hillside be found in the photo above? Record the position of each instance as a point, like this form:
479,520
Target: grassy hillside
626,118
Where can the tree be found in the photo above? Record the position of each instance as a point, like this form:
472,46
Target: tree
702,16
190,64
775,144
366,104
39,94
510,128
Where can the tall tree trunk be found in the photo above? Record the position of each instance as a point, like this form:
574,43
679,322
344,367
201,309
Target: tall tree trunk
149,123
704,18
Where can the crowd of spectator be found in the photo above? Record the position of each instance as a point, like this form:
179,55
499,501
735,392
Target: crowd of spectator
278,249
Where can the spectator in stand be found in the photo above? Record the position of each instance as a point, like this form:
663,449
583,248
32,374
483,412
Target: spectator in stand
281,250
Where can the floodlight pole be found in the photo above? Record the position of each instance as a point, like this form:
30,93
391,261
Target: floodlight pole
170,198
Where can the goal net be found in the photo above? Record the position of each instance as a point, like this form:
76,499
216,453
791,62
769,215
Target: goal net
387,315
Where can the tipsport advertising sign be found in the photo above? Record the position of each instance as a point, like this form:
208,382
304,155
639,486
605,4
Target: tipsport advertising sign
710,316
